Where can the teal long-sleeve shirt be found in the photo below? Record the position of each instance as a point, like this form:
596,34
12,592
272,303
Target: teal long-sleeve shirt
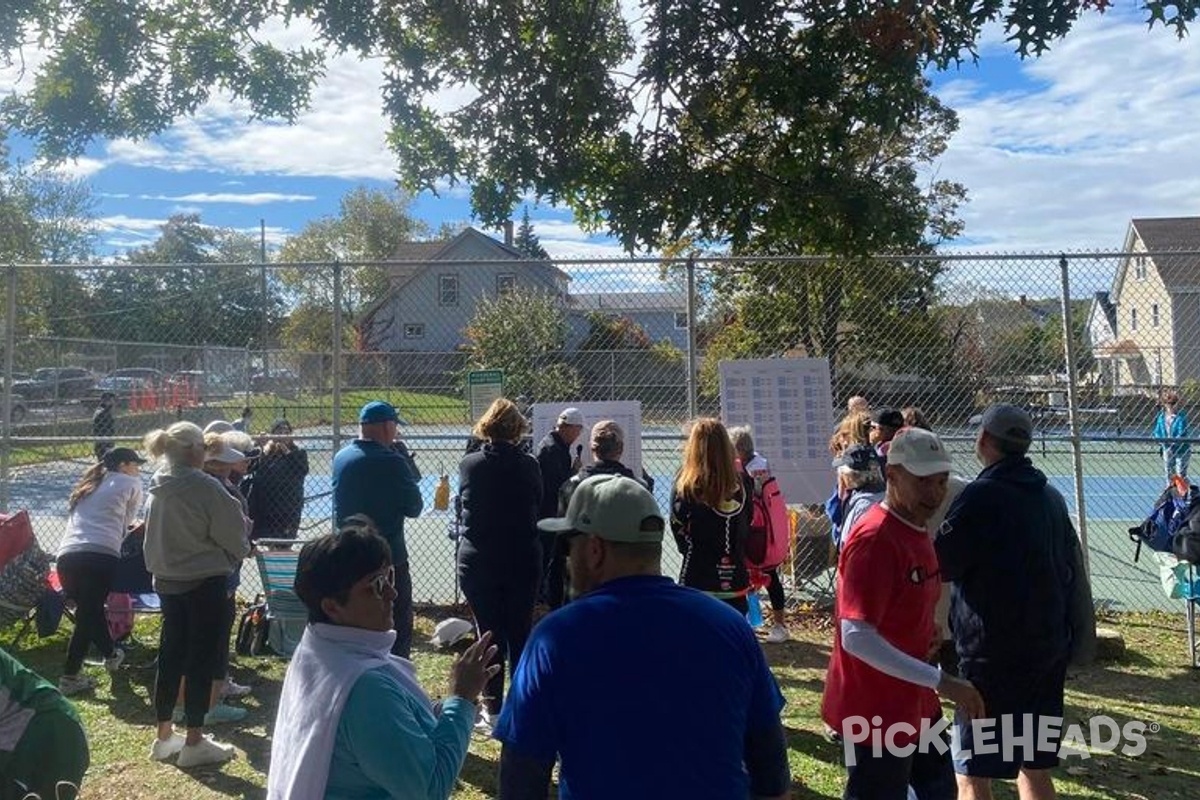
390,747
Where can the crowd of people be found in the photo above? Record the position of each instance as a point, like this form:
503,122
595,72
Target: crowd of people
923,556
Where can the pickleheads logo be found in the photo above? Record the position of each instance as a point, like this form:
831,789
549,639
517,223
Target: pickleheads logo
992,736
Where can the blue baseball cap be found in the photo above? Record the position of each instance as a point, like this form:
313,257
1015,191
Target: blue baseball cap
377,411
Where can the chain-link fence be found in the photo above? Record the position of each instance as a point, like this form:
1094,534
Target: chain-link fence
947,334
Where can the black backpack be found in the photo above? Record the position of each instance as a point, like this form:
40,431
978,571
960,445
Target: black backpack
252,630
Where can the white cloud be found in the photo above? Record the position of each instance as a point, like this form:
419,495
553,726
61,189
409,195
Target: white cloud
247,199
136,226
78,169
1087,143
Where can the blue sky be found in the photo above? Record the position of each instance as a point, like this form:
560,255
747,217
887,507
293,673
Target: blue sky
1057,153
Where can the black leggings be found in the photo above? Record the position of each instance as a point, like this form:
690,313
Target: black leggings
501,594
775,590
87,578
190,646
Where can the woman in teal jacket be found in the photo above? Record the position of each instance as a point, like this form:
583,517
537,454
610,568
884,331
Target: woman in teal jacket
1172,423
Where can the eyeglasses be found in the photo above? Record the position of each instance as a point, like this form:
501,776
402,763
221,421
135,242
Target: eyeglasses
382,582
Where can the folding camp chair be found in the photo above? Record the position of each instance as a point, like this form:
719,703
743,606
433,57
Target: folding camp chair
286,613
24,569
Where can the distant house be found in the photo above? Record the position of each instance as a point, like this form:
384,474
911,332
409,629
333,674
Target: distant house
434,288
663,315
433,291
1101,332
1156,300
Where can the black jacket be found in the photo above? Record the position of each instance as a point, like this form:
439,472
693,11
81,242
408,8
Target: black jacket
1011,553
275,492
554,459
103,424
501,491
713,544
597,468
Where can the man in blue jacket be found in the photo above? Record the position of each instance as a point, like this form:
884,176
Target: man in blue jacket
1020,610
374,476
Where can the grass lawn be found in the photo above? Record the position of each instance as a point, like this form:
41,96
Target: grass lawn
1152,683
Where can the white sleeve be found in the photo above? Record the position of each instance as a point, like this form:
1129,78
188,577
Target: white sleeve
861,640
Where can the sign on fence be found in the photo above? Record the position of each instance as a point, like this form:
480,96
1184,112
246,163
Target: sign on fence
789,403
483,387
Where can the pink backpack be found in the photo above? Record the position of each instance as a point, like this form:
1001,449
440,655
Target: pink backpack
770,528
118,610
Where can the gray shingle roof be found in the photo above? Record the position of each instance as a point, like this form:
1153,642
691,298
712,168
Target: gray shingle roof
629,301
1166,234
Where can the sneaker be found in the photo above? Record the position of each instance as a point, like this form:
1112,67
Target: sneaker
221,714
234,689
206,751
483,722
778,634
74,684
114,662
162,749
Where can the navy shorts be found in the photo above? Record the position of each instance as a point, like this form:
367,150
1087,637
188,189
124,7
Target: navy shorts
1024,723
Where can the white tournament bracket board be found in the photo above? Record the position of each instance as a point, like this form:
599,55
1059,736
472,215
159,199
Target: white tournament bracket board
626,413
789,404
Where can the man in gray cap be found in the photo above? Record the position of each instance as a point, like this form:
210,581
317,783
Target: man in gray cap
639,687
1020,609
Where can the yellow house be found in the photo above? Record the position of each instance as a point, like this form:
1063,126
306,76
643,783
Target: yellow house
1156,299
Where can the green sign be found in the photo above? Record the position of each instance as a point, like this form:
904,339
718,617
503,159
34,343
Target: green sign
483,387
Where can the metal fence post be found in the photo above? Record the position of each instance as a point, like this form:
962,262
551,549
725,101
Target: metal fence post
1073,410
10,343
336,361
691,339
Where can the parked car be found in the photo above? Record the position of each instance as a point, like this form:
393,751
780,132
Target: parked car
154,377
19,407
56,383
279,381
121,387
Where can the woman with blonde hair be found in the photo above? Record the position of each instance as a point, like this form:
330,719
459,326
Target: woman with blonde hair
101,508
195,537
710,515
500,554
854,428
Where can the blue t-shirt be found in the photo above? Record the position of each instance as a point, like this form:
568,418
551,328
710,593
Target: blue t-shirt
371,479
643,688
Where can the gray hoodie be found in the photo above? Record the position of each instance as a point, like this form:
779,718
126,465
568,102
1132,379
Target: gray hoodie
194,529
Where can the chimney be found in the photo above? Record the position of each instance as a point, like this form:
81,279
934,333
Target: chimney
508,232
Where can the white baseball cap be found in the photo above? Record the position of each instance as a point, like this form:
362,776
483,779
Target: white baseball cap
570,416
920,452
225,454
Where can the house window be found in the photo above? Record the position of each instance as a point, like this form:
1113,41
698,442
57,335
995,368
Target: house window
681,320
505,283
1139,267
1133,319
414,331
1154,315
447,290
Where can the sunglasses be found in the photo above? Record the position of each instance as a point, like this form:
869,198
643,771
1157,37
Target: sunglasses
382,582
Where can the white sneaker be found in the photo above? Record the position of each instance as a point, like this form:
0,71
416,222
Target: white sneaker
206,751
114,662
778,634
483,722
75,684
162,749
234,689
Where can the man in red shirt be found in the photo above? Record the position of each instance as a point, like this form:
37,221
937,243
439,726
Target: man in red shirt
880,690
